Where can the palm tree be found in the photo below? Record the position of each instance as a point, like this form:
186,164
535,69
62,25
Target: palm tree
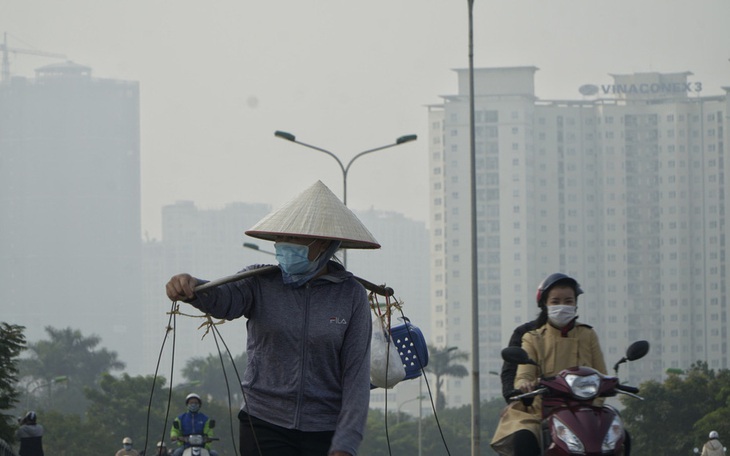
70,355
442,362
207,376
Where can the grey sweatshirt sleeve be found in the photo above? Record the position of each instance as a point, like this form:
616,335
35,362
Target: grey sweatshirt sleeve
230,301
355,359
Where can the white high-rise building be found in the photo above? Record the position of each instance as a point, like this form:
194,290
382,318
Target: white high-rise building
623,189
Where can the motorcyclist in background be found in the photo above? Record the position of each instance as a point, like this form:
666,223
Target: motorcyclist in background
191,422
713,447
127,450
30,434
162,449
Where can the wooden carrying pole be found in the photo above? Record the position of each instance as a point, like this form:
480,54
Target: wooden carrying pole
381,290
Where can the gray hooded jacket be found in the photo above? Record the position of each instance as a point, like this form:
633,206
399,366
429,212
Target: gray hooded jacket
308,350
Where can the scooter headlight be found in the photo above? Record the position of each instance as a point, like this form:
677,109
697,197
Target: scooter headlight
196,439
564,433
584,387
615,432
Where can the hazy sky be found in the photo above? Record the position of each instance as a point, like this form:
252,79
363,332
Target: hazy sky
218,78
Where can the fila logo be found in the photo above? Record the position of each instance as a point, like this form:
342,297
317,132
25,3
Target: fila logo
339,321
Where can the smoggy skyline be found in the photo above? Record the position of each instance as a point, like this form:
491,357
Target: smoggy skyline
216,80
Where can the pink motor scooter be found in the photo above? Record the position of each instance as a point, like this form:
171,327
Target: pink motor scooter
571,424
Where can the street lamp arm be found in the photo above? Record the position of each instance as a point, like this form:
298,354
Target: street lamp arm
29,393
292,138
398,142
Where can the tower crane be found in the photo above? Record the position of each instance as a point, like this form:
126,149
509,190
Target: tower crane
6,62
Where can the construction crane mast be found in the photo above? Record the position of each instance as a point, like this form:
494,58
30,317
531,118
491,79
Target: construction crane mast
6,61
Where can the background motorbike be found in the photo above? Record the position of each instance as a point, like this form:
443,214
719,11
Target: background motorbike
196,442
571,424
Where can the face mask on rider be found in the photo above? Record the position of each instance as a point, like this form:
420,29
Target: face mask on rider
194,407
560,315
127,446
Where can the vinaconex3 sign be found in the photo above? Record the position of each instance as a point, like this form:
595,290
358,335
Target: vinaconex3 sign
645,88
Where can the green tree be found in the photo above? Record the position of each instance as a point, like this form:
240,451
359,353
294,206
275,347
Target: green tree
69,434
12,342
718,418
441,433
70,355
445,362
207,374
676,416
118,408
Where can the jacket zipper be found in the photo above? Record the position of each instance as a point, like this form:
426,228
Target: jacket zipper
305,328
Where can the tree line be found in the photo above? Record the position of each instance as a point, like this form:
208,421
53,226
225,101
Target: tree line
88,404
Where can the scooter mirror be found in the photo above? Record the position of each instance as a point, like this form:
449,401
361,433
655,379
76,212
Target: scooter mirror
637,350
211,423
176,424
516,355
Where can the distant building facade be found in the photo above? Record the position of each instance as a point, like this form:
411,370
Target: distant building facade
624,189
206,243
402,264
70,205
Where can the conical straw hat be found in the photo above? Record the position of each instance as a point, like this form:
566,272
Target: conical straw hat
316,213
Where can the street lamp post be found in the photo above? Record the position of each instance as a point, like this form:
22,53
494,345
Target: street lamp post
344,168
420,410
29,393
475,394
400,406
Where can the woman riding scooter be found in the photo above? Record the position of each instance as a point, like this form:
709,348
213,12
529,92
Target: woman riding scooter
557,342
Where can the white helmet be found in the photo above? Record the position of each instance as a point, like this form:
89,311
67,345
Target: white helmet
127,441
191,396
714,435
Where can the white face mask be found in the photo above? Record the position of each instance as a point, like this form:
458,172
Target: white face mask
561,314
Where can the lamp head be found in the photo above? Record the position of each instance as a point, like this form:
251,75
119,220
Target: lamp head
406,138
285,135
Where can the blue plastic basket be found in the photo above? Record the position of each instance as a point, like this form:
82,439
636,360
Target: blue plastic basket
412,348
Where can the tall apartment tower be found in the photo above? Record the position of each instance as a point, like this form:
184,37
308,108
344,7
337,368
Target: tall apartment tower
70,239
623,189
